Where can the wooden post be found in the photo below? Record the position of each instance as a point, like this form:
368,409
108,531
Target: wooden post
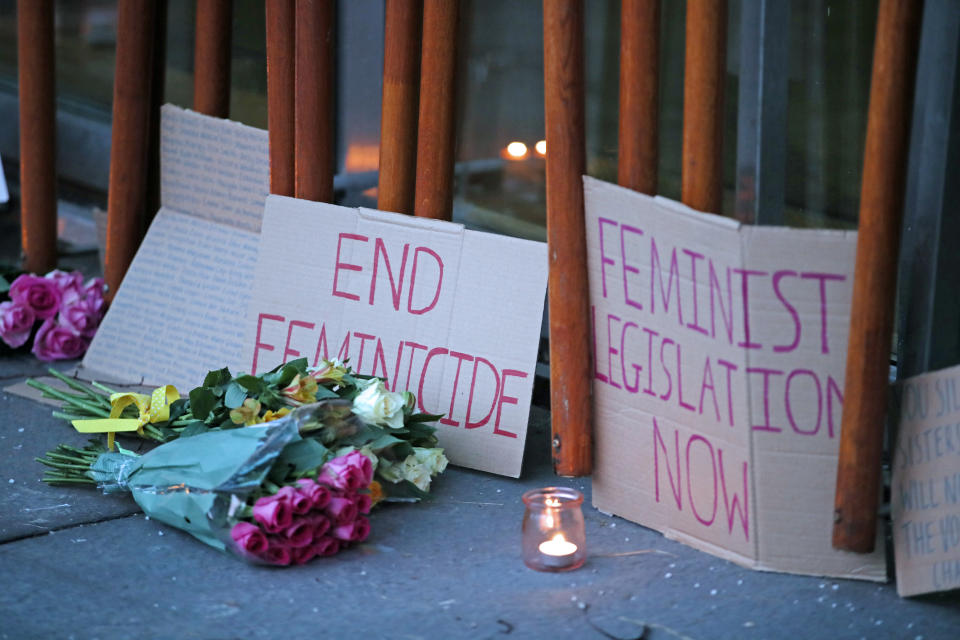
38,176
398,122
639,79
126,198
702,172
280,80
433,195
313,90
875,273
563,90
211,60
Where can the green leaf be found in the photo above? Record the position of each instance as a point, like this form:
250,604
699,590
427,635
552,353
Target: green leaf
202,402
178,408
383,442
403,491
290,370
234,396
216,378
424,417
253,384
304,455
194,429
323,393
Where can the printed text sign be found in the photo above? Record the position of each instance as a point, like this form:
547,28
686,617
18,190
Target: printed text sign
719,353
449,314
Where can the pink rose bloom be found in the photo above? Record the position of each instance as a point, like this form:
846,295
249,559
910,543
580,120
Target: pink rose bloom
277,552
341,510
249,538
364,502
356,531
303,555
318,495
16,322
299,503
79,317
93,293
40,294
299,534
54,342
70,284
326,546
350,472
320,524
273,513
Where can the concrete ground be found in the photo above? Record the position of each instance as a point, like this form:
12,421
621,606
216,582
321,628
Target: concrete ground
81,565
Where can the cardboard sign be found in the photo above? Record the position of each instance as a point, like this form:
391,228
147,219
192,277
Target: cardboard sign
925,495
719,355
180,309
450,314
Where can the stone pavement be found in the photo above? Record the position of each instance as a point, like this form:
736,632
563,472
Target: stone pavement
77,564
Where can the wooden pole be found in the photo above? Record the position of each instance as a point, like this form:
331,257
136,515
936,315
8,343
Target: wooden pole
38,177
398,122
875,273
126,198
639,79
313,90
211,66
280,80
433,194
702,173
563,90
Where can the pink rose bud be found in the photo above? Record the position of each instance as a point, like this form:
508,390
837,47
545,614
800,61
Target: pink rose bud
16,322
70,284
80,318
318,494
54,342
274,514
40,294
299,503
249,538
320,524
299,534
303,555
277,553
350,472
356,531
363,501
326,546
341,510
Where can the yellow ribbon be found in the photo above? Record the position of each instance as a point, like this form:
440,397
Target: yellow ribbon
153,409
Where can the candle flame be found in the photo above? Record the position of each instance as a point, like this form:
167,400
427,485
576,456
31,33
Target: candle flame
541,147
516,150
558,538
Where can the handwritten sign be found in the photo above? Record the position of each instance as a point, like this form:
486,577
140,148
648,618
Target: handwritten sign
719,353
925,495
180,309
450,314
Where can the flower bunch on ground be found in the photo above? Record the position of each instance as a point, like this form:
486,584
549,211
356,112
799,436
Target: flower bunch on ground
59,311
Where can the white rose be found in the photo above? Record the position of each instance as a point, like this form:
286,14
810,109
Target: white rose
376,405
432,459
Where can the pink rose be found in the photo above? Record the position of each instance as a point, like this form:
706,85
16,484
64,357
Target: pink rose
299,503
93,293
273,513
16,322
54,342
299,534
350,472
303,555
70,284
356,531
326,546
341,510
318,495
40,294
249,538
321,524
79,317
277,552
364,502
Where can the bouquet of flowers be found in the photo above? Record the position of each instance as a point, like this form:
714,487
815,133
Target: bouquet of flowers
59,311
263,492
360,413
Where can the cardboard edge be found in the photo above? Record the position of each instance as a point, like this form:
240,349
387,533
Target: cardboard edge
426,224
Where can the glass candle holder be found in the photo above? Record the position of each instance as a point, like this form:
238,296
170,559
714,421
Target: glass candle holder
553,533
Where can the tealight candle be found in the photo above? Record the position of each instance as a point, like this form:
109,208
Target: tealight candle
553,531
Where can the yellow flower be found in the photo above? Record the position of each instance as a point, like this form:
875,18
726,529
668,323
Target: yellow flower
301,391
376,492
329,371
275,415
246,414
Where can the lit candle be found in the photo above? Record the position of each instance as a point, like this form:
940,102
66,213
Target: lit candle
558,546
553,535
